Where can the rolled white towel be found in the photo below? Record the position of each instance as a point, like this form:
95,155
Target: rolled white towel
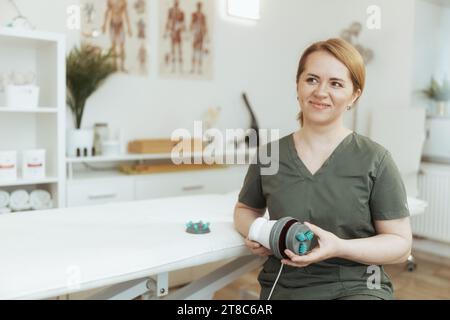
5,210
19,200
4,199
40,199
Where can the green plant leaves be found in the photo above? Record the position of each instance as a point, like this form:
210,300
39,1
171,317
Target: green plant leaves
87,68
437,92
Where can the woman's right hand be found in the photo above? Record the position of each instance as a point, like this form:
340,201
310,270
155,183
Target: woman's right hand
257,248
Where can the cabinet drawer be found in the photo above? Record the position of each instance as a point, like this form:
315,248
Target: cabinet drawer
99,192
171,184
189,183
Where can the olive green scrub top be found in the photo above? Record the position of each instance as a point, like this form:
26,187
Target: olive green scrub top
357,184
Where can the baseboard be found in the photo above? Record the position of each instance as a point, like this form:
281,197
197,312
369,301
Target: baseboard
431,250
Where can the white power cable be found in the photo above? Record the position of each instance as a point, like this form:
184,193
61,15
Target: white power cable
276,280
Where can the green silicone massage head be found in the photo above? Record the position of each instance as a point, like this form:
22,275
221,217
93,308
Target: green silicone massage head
289,233
197,227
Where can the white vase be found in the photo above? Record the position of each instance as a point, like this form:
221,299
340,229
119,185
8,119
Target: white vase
80,142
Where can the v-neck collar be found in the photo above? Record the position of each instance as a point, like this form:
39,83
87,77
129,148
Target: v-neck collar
295,157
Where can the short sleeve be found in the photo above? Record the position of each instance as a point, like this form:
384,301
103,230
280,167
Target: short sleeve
388,199
251,193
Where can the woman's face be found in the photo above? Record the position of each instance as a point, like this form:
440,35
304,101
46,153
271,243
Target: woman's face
325,88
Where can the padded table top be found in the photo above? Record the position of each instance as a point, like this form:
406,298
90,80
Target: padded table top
54,252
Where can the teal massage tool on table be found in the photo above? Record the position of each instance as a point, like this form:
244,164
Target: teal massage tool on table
197,227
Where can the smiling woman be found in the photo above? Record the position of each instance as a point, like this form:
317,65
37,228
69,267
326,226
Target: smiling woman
343,186
332,66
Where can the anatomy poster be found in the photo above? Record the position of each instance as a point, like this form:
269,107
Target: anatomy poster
185,38
120,25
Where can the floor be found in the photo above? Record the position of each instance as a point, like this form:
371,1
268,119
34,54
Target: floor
430,280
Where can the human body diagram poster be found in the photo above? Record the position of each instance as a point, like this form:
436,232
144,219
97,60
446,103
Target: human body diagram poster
184,35
120,25
185,38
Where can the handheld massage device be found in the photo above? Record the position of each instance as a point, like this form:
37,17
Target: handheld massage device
282,234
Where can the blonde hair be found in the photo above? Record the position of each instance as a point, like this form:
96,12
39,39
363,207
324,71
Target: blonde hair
345,53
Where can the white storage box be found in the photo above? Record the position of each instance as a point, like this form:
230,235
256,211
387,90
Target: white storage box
4,199
8,165
33,164
25,96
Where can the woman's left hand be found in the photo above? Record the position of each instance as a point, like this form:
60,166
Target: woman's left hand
328,247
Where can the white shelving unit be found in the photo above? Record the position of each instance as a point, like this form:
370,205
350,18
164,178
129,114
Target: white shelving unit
24,182
36,128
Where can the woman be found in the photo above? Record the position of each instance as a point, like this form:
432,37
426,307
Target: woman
345,187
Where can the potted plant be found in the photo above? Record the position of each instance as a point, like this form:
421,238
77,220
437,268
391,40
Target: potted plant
439,94
87,68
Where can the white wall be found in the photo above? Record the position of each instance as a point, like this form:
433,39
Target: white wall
259,58
443,61
431,47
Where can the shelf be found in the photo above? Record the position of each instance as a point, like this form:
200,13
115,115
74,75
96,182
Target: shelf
137,157
22,182
95,175
33,37
120,157
29,110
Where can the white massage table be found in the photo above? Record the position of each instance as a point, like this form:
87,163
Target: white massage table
56,252
129,247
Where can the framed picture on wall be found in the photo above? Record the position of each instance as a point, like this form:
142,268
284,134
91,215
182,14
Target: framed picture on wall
120,25
185,39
